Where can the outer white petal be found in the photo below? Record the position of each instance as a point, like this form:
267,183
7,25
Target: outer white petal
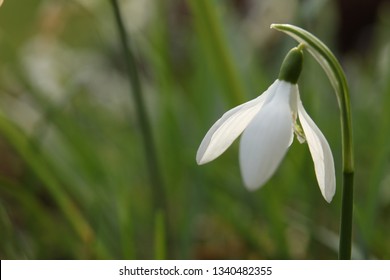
266,139
321,154
223,133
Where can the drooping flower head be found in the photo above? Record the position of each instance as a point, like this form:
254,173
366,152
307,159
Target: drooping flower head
268,124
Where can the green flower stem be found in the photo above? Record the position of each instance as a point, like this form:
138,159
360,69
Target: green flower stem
337,78
159,199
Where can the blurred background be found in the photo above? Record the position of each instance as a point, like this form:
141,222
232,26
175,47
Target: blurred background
76,179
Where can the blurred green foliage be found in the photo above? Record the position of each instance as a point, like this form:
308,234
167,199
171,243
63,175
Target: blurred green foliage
73,176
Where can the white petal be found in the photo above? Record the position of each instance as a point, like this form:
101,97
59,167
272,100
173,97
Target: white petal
266,139
294,100
321,154
223,133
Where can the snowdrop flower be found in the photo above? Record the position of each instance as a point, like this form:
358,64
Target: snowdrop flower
268,124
